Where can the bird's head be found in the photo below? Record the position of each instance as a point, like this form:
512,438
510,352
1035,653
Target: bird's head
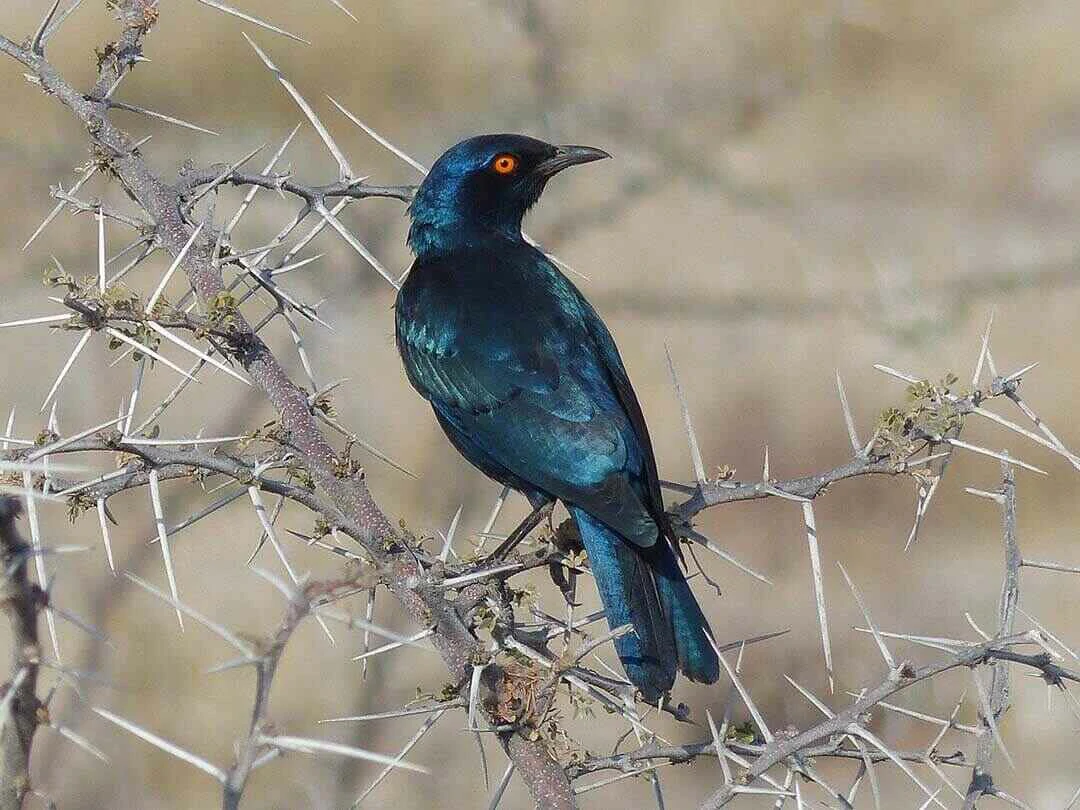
486,183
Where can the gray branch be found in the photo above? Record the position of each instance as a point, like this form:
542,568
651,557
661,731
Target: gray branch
19,708
982,782
996,651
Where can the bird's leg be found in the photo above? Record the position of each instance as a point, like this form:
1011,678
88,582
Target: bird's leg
565,582
566,539
517,535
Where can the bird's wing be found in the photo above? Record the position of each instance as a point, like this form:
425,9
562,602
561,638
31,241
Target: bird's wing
465,351
611,361
517,381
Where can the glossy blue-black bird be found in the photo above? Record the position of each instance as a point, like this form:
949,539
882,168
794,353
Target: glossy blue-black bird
528,385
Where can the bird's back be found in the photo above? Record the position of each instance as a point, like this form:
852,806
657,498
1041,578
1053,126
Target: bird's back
507,350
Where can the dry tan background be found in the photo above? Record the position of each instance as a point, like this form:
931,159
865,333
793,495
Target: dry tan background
798,188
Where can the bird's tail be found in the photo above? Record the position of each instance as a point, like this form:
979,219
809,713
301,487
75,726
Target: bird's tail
646,588
697,656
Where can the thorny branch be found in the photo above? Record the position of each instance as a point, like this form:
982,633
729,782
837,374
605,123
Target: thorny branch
462,600
807,743
991,711
163,202
313,195
20,709
257,748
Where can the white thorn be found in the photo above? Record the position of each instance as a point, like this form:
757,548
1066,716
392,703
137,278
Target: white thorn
163,538
695,450
116,333
819,589
345,171
101,249
380,139
79,346
849,419
165,333
163,744
172,269
885,654
103,520
983,350
39,557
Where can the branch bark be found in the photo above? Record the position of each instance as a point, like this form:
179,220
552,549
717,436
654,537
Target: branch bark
252,748
982,781
19,708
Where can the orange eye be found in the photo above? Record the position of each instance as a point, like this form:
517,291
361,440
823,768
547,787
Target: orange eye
505,164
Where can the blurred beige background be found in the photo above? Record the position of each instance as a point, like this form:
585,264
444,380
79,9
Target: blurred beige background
798,188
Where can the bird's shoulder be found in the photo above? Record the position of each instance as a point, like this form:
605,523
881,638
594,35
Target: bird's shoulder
477,327
505,302
490,292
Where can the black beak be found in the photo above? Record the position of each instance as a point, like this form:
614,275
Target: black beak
567,156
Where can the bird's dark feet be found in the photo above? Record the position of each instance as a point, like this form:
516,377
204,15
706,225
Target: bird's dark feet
567,538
